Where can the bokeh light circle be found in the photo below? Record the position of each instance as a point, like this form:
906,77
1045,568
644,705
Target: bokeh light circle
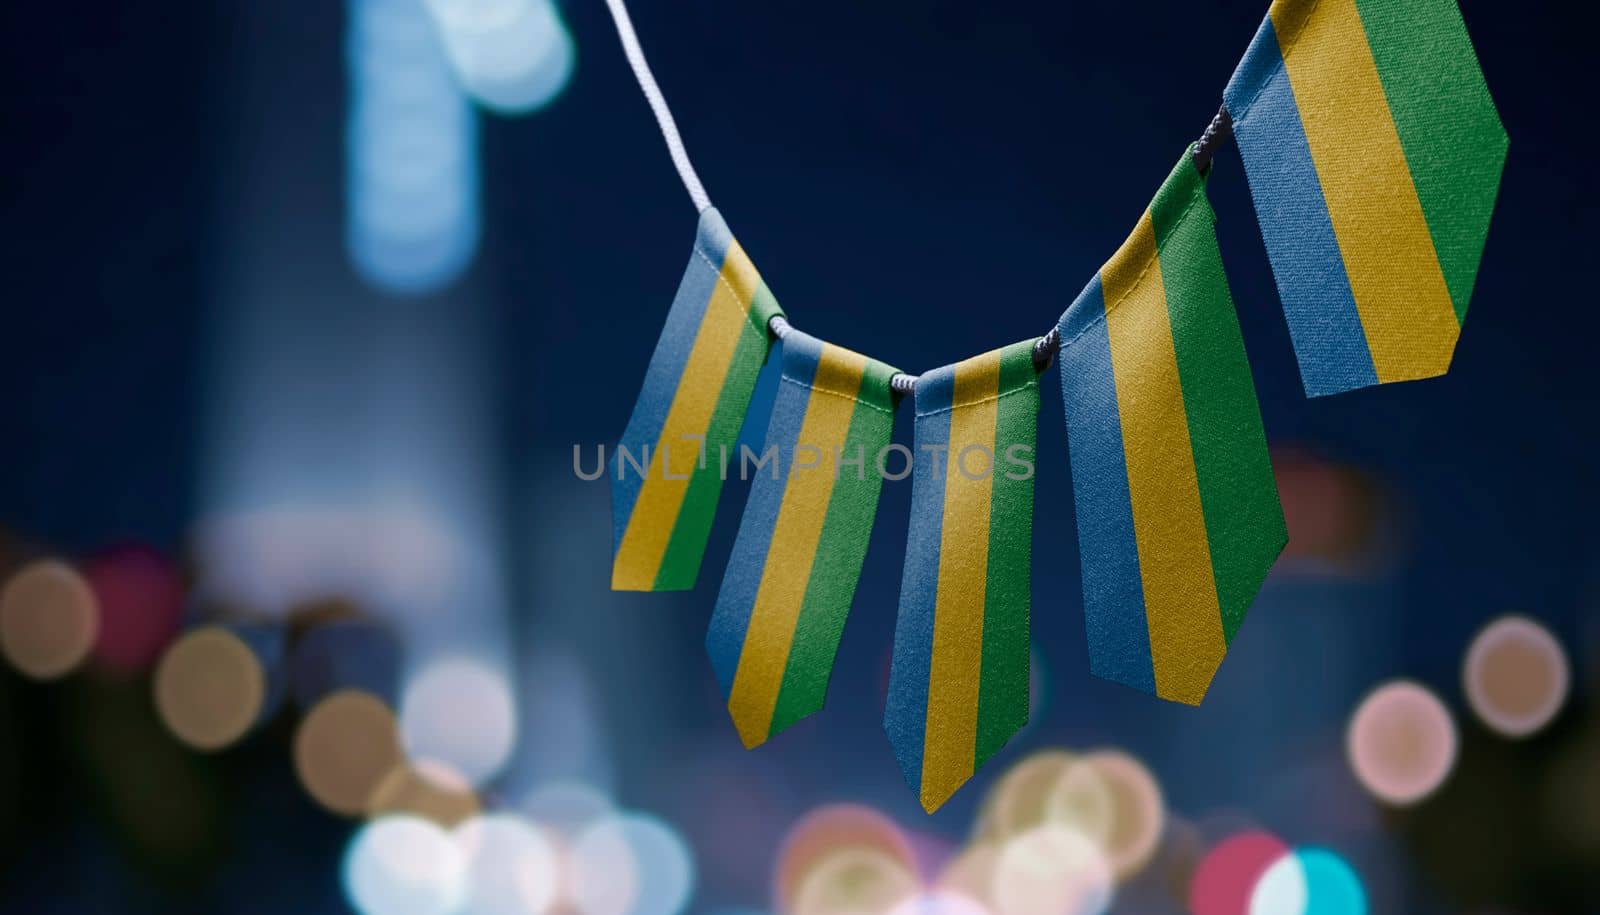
1177,857
1081,800
511,55
512,868
519,68
1137,812
1516,676
1282,889
828,829
428,788
415,234
460,712
940,902
210,688
566,806
1227,876
1335,889
971,873
344,748
141,593
404,865
1401,743
49,619
631,864
1020,799
1309,881
855,881
1051,870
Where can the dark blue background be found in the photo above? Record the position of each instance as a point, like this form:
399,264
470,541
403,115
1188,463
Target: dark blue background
920,181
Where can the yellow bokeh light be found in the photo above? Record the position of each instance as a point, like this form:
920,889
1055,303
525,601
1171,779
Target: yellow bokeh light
1020,799
829,829
429,789
344,748
1137,813
49,619
855,881
1082,800
210,688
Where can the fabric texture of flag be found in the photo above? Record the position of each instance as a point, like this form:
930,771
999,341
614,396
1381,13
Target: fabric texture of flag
801,544
1178,514
958,682
666,471
1373,151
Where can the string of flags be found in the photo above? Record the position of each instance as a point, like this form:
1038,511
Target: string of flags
1373,153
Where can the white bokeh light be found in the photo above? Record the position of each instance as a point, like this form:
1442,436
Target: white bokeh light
631,864
512,869
1309,881
1051,870
460,712
940,902
404,865
1282,889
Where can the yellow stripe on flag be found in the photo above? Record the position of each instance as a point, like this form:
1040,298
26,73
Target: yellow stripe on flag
955,667
793,547
655,512
1399,287
1180,595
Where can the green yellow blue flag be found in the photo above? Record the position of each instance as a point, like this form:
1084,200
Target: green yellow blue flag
958,682
798,556
666,471
1178,514
1373,151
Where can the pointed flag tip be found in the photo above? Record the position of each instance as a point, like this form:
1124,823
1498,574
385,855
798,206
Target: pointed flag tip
1190,691
749,735
622,581
931,801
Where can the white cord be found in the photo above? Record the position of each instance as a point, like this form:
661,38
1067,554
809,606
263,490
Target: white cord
658,104
1043,351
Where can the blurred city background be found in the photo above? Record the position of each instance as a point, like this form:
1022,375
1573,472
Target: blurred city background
303,609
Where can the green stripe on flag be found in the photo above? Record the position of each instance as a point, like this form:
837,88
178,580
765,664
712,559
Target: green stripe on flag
680,564
841,549
1238,495
1454,142
1003,685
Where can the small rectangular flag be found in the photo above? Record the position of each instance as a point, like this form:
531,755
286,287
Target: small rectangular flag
1373,151
1178,515
666,473
958,683
798,556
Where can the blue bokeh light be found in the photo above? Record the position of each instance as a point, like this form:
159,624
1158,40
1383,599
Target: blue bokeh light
511,56
413,210
1309,881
